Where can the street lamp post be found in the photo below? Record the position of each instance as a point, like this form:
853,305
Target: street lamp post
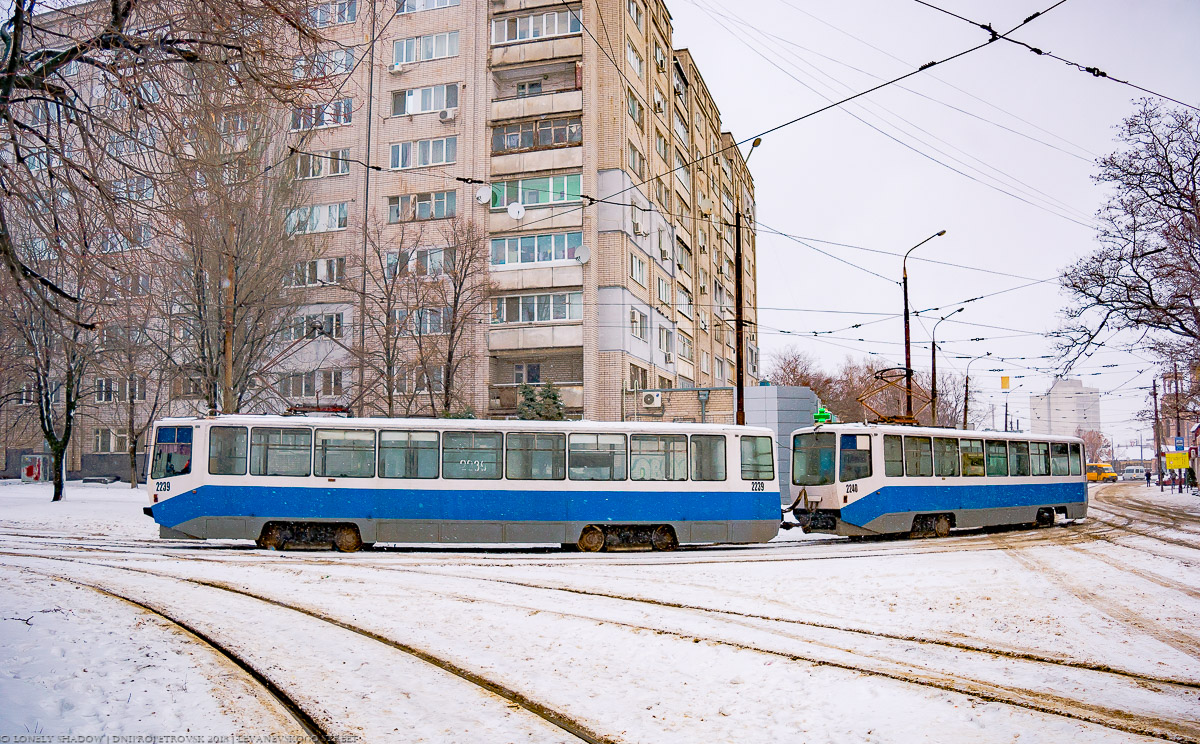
908,371
967,387
739,320
933,390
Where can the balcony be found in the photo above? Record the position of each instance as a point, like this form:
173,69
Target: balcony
548,218
558,102
534,336
537,51
532,276
503,398
555,158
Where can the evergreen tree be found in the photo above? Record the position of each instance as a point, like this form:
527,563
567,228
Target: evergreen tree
527,406
549,402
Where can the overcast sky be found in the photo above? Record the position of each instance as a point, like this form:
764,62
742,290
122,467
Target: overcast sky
996,148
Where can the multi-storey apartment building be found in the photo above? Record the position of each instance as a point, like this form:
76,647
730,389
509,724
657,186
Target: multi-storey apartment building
617,271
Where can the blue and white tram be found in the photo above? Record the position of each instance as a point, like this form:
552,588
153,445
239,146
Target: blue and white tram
290,480
873,479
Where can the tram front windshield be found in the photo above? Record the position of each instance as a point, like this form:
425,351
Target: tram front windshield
813,459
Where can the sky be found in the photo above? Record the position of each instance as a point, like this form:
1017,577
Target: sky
996,147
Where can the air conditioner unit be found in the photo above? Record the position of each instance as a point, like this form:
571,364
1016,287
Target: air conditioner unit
703,324
664,254
652,400
721,269
398,68
636,223
703,289
634,316
447,114
658,107
668,358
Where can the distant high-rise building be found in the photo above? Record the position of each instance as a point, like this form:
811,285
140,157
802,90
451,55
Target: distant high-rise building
1067,407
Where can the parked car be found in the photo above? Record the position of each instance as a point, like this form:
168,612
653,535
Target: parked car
1134,473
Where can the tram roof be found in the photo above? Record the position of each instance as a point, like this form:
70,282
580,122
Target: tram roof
940,431
339,422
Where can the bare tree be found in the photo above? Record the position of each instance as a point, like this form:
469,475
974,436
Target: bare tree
428,291
89,96
1096,445
1145,277
234,239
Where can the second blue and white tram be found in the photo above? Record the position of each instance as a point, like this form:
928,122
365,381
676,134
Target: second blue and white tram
292,480
873,479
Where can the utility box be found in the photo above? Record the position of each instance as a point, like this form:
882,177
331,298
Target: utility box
35,468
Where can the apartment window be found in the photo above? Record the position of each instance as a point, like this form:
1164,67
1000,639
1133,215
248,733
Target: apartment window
635,60
318,115
680,84
537,191
637,161
529,88
637,269
664,291
421,153
704,362
137,188
334,13
331,382
660,145
317,219
687,350
316,165
683,256
433,205
298,385
424,100
683,171
531,135
660,56
110,440
719,369
683,301
537,308
666,340
681,127
324,64
413,6
424,48
106,390
634,106
637,378
529,249
528,374
635,13
535,26
639,325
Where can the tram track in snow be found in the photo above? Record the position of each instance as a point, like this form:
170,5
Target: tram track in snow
835,655
576,729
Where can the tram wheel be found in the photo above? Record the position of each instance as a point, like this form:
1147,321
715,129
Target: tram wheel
591,539
1045,517
941,526
346,539
271,538
663,538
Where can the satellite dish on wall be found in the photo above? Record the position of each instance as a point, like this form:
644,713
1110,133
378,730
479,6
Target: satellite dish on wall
484,195
516,210
582,254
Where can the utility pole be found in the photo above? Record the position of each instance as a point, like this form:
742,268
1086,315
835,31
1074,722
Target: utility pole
739,328
1157,445
362,300
230,275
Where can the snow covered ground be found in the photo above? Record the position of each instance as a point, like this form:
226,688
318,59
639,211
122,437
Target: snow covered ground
1085,632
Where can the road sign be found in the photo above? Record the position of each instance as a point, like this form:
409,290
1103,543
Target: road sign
1179,444
1177,461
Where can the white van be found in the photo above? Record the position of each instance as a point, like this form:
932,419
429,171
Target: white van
1134,473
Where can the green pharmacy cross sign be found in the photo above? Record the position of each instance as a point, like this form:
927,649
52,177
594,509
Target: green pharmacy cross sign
822,416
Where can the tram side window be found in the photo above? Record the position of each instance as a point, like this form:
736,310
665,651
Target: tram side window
708,457
597,457
172,452
997,458
345,453
472,455
1018,458
227,450
972,457
1039,458
1059,459
812,459
285,452
408,454
658,457
945,457
536,457
918,457
893,455
856,457
1076,459
758,458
